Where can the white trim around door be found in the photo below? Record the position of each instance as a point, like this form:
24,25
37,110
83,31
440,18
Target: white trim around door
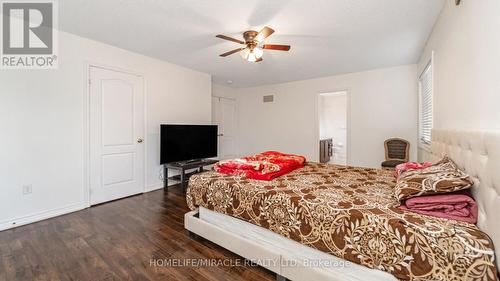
348,110
132,149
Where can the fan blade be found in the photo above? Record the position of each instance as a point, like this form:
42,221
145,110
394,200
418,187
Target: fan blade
264,33
259,59
231,52
230,39
277,47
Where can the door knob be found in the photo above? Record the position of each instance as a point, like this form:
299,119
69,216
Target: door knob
139,140
220,135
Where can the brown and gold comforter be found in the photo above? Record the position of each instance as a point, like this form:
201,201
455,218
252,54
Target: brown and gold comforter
351,213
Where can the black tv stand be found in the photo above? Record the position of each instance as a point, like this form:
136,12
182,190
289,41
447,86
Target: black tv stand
183,167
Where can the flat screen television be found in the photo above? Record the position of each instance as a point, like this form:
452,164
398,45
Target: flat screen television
181,143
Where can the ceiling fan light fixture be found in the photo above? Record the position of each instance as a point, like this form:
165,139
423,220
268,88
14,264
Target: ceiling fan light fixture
252,55
258,52
254,46
244,53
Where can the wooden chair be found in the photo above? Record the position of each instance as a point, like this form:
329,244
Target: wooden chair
396,152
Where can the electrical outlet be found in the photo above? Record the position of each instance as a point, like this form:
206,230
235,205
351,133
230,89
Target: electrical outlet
27,189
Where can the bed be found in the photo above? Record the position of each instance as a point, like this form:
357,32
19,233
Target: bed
349,214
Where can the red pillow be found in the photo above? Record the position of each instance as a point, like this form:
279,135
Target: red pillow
410,166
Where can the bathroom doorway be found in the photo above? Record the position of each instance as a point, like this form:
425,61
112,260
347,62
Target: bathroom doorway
333,127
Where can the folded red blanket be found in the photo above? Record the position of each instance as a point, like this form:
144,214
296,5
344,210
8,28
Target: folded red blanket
263,166
458,206
240,164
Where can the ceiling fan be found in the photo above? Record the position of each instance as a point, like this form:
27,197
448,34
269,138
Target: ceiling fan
254,44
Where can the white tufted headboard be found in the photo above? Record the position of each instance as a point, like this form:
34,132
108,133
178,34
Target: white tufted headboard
478,154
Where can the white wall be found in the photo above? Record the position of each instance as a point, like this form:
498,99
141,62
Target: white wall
466,42
42,124
466,45
383,104
224,91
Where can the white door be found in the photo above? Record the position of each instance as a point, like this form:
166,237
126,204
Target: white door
116,135
224,115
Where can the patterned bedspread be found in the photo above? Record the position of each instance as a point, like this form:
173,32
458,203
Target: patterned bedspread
351,213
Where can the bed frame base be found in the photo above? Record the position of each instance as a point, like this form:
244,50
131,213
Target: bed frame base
195,236
280,278
252,251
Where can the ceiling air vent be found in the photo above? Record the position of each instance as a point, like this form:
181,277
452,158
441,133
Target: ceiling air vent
268,98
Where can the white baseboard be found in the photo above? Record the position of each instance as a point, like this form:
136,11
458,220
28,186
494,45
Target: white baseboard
160,186
42,215
24,220
15,222
153,188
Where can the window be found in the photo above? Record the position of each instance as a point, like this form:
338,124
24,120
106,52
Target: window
425,107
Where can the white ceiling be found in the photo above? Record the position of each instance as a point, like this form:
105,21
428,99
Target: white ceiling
327,36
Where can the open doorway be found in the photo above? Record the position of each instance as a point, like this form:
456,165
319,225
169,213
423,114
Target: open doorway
333,127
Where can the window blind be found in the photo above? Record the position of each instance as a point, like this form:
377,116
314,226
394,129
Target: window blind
425,89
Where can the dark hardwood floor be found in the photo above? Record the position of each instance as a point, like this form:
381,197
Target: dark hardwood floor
120,240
